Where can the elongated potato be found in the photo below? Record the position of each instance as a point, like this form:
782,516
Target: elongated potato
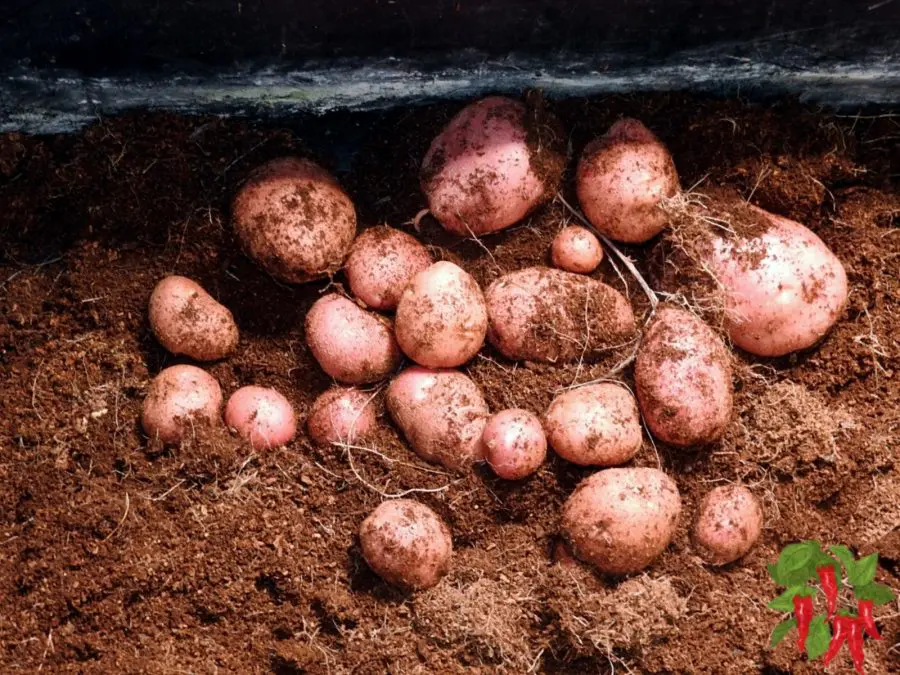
180,399
728,524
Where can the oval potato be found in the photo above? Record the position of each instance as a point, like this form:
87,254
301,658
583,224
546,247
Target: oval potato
341,415
262,416
576,249
514,443
728,524
180,399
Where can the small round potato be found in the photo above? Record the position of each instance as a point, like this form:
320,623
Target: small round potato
180,399
294,220
406,544
187,320
621,180
381,264
514,443
595,425
441,318
352,345
728,524
621,520
341,415
262,416
576,249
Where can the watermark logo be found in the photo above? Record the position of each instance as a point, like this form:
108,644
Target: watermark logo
831,597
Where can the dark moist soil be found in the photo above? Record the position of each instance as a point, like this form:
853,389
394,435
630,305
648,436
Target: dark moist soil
118,556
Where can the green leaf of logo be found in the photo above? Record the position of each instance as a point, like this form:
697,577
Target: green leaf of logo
795,559
785,601
819,637
773,572
879,594
863,571
780,631
845,555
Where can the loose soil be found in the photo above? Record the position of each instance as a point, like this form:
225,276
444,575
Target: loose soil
119,556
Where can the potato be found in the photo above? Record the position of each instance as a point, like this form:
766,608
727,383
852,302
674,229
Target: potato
352,345
682,375
185,319
622,179
514,443
481,174
294,220
262,416
728,524
594,425
621,520
441,319
576,249
441,413
341,415
381,264
180,399
543,314
406,544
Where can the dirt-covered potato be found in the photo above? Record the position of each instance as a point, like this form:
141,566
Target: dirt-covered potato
543,314
442,414
621,520
728,524
514,443
185,319
381,264
595,425
262,416
180,399
350,344
441,319
406,544
682,376
294,220
341,415
576,249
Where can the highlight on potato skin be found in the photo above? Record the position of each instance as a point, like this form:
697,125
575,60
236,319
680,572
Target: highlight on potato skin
180,400
728,524
262,416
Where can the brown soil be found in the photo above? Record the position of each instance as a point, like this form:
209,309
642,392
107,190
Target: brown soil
119,556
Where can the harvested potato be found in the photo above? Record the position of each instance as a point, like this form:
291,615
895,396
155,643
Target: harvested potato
406,544
728,524
180,399
294,220
595,425
185,319
543,314
622,179
341,415
262,416
576,249
514,443
441,413
621,520
441,319
352,345
381,264
682,375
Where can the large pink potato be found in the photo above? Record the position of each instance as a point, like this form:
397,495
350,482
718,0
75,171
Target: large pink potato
728,524
294,220
481,174
621,520
180,399
682,375
341,415
514,443
621,180
594,425
262,416
441,413
441,319
352,345
543,314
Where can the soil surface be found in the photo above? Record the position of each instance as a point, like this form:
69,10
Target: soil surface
119,556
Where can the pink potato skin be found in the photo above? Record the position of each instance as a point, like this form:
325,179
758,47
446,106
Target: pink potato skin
514,443
728,524
621,179
477,174
341,415
262,416
180,398
576,249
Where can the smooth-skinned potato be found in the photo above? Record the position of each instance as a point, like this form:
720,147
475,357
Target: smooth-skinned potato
576,249
342,415
262,416
728,524
621,520
180,399
514,443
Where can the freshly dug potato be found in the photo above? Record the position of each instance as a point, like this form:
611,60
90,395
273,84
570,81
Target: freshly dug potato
352,345
187,320
622,179
441,413
576,249
441,319
682,375
341,415
294,220
262,416
543,314
728,524
180,399
481,174
381,264
595,425
514,443
620,520
406,544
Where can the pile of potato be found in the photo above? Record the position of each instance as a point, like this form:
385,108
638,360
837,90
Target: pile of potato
414,321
